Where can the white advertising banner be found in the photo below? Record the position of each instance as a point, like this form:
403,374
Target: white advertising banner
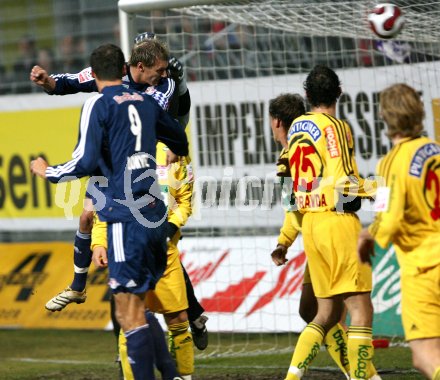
240,288
232,148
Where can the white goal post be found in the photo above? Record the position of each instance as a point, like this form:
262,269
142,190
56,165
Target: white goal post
238,55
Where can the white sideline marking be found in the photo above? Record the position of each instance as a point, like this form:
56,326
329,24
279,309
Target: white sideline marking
54,361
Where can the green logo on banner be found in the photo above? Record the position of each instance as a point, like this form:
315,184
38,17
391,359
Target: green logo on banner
386,293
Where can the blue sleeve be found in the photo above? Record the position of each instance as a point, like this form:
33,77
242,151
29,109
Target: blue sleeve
74,83
163,92
87,152
171,133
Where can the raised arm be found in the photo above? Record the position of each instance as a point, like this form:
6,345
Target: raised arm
64,84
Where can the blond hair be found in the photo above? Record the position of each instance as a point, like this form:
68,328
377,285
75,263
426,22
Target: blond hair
402,110
148,52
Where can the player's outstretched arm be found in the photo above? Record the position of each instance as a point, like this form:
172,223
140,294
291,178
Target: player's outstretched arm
41,78
39,166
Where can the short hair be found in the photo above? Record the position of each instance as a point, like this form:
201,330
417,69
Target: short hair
402,110
107,62
287,107
322,86
148,52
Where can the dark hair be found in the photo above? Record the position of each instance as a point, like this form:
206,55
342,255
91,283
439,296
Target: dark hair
149,52
322,86
287,107
107,62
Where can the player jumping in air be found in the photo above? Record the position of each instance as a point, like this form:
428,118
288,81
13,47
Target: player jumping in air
118,133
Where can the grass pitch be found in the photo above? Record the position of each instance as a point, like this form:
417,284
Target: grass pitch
90,355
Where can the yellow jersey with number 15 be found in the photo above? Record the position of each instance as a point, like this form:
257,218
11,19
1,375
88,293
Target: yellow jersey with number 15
322,164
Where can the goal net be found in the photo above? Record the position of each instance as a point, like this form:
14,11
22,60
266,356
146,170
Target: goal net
238,55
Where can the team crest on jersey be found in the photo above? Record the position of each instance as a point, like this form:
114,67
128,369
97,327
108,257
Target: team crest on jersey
332,142
150,90
305,126
422,155
85,75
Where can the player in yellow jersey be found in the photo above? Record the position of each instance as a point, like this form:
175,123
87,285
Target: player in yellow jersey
327,189
408,215
169,297
283,110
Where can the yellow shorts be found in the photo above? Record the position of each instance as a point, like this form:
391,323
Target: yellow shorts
330,243
421,303
170,293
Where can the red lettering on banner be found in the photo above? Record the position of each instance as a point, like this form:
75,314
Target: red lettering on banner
229,300
198,275
289,281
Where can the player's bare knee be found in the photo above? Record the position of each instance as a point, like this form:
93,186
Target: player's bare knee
417,360
176,317
86,222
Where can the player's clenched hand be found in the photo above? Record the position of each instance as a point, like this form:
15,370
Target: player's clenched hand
40,76
99,257
279,255
39,166
365,246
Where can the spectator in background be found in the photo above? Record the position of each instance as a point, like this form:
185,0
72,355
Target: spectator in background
45,59
27,58
72,52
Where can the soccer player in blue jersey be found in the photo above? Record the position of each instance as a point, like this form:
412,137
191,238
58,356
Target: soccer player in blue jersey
118,133
146,71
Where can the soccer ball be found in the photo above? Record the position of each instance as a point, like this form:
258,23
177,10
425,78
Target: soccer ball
386,20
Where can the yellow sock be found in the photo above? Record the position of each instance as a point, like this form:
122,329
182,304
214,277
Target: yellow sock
307,347
182,347
336,344
360,351
436,375
123,356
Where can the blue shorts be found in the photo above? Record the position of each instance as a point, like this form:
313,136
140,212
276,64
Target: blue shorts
137,256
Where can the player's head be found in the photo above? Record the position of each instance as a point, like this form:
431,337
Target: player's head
107,62
402,110
322,86
283,110
150,58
